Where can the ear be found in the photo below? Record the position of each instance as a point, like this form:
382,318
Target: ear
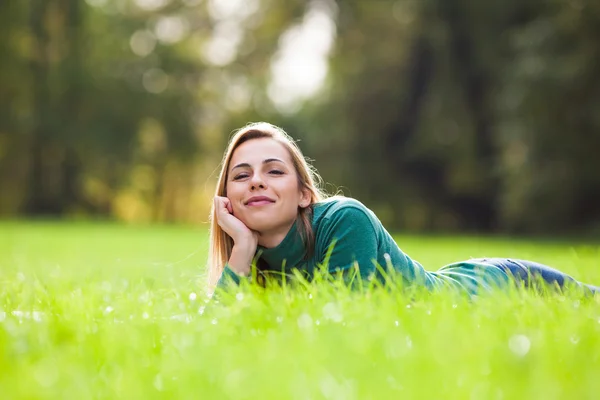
304,198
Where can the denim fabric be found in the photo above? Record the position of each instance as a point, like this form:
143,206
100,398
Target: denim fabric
529,271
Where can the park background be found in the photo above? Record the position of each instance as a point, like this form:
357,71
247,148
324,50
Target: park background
440,115
478,121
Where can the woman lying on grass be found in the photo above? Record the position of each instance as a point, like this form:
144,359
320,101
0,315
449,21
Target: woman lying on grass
269,210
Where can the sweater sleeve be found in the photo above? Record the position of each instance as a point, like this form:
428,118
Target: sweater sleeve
350,241
229,277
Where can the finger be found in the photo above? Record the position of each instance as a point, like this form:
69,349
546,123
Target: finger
225,204
220,203
219,206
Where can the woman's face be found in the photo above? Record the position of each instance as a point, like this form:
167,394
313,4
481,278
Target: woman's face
262,185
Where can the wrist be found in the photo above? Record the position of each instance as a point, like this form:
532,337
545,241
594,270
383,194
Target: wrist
241,258
246,241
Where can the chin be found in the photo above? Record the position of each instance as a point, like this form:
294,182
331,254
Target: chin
257,224
266,222
261,227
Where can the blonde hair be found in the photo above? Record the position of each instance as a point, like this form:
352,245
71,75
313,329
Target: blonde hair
221,244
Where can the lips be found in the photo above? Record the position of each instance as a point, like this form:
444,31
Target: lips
259,201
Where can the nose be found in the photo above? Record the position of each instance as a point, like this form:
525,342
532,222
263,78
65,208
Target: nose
257,182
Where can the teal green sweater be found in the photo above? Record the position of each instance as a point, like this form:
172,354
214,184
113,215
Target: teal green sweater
348,233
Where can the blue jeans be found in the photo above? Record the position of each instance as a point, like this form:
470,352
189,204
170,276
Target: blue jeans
529,271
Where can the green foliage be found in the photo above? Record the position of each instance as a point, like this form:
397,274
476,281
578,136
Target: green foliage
441,115
110,311
465,115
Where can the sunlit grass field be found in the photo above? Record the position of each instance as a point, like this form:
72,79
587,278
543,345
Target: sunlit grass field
109,311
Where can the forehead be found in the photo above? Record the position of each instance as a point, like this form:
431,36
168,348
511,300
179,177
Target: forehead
255,151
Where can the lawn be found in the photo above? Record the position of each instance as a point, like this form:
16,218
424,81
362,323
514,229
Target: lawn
109,311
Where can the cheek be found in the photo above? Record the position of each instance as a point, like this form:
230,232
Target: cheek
234,196
232,192
290,190
292,199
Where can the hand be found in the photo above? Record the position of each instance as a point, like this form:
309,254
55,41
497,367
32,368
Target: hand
232,226
245,240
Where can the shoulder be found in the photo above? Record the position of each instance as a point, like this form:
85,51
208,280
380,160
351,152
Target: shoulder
343,210
346,221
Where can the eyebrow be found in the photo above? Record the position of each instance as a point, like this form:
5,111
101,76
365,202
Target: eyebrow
266,161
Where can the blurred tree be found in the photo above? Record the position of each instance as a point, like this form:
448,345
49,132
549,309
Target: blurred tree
439,114
549,94
14,105
438,110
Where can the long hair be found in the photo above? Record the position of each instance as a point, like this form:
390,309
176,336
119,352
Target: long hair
221,244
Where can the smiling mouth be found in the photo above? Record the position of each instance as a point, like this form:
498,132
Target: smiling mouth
259,203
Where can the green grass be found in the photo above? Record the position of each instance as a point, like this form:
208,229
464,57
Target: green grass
107,311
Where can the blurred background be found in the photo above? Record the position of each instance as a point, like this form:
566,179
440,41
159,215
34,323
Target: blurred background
440,115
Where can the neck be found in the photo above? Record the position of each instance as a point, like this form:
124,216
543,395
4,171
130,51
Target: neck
275,237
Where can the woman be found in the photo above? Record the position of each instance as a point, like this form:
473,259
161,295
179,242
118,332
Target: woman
269,209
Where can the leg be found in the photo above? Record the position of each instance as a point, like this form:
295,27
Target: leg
529,271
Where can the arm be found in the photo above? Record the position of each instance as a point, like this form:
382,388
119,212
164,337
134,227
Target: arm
352,243
244,243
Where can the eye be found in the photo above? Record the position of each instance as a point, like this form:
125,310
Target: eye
276,172
243,175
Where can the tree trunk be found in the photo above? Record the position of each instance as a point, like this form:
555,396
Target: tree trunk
419,78
479,209
38,200
73,99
